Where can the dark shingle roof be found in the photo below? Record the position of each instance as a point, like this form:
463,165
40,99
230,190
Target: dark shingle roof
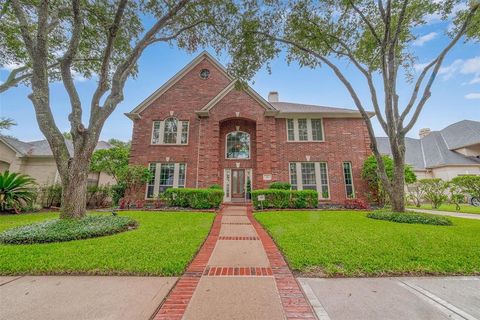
41,147
437,148
289,107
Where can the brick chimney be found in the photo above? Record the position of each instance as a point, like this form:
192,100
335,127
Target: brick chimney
424,132
273,96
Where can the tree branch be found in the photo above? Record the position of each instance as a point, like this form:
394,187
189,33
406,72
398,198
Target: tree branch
437,64
176,34
75,116
367,22
112,35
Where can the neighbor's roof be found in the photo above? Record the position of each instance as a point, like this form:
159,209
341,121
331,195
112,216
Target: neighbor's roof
437,149
41,148
278,109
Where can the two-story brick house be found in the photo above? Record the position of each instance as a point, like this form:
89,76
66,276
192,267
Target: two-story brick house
198,130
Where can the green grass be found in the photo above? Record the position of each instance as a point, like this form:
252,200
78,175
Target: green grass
163,244
346,243
464,208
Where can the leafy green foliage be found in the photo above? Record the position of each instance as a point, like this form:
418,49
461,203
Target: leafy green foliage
370,174
59,230
50,195
6,123
469,184
194,198
215,186
133,178
434,190
163,244
280,185
16,190
112,161
346,243
278,198
410,217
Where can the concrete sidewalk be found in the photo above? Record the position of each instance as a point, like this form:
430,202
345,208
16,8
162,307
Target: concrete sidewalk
448,213
394,298
81,297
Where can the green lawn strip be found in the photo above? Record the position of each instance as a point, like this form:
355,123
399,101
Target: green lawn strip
347,243
163,244
464,208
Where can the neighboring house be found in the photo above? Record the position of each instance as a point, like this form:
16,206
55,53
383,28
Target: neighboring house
36,159
198,130
445,154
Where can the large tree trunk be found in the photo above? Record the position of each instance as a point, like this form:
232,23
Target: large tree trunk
397,194
74,190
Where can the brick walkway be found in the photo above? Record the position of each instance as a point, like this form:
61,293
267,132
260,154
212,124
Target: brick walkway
239,273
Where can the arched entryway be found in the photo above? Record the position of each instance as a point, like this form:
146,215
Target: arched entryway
237,156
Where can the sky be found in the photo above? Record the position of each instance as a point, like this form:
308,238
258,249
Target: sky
455,94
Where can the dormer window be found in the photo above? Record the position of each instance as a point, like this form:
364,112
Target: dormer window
170,131
304,130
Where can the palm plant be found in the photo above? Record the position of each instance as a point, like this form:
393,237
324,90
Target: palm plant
16,189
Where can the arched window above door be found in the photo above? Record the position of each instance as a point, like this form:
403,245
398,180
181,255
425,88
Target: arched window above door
237,145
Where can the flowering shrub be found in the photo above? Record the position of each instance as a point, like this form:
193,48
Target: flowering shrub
356,204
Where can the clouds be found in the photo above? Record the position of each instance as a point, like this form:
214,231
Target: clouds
472,96
420,41
469,67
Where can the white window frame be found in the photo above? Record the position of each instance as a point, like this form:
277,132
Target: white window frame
318,180
161,134
351,177
249,146
296,134
156,182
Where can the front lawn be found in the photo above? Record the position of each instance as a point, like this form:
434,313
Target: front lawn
464,208
163,244
347,243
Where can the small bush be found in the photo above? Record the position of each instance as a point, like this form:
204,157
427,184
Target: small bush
356,204
281,199
215,186
410,217
194,198
59,230
98,196
50,195
280,186
118,192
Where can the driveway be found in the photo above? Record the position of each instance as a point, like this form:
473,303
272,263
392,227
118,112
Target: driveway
394,298
448,213
81,297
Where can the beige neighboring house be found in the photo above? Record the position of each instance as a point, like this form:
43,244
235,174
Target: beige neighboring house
445,154
36,159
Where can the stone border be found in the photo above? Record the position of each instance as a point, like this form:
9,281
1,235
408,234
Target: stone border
174,306
295,304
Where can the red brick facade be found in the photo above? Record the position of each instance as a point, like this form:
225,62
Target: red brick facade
345,139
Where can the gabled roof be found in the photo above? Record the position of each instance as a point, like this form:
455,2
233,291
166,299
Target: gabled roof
277,109
252,93
41,148
135,113
437,148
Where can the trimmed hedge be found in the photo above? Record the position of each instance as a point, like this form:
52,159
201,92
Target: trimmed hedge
194,198
59,230
410,217
280,185
277,198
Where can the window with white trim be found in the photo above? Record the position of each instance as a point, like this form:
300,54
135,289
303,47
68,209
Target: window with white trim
310,176
348,178
237,145
170,131
304,130
164,176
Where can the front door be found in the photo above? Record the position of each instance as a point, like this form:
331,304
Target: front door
238,183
